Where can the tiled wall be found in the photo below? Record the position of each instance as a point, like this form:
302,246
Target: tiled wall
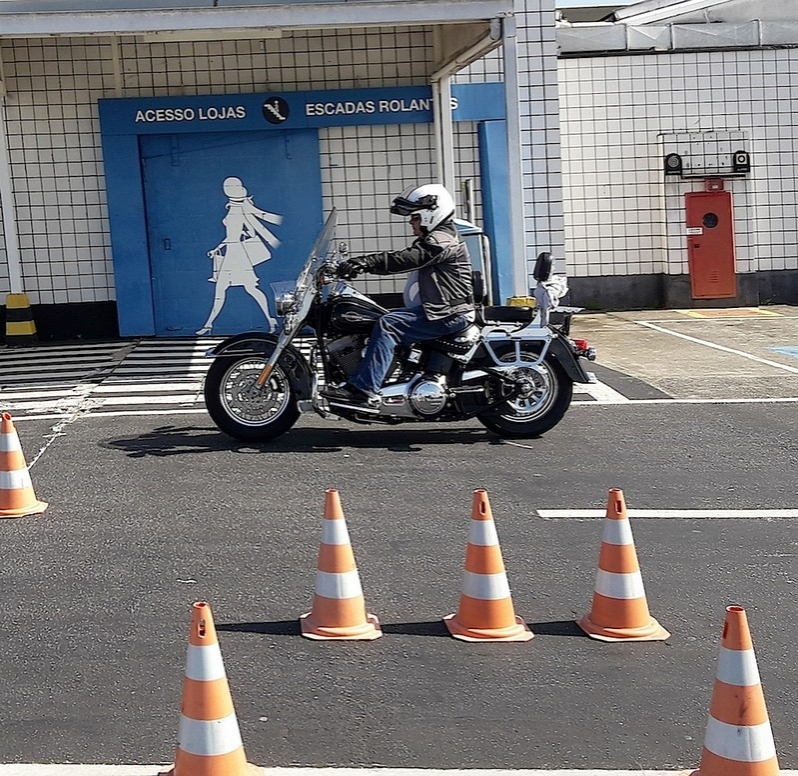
54,148
622,216
540,132
540,127
52,119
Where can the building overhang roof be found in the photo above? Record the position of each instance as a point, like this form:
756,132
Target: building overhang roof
36,18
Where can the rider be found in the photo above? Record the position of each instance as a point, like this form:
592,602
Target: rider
445,301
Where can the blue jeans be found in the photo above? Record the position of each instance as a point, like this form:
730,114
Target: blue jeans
400,327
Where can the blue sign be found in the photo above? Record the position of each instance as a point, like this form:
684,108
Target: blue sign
294,110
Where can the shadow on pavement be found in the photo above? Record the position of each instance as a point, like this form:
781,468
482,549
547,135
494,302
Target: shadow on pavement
291,628
427,628
182,440
556,628
274,628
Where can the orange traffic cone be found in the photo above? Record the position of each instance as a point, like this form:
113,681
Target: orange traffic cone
339,611
208,739
486,609
17,498
738,740
620,611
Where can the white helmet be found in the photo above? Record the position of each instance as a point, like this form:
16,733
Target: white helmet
431,201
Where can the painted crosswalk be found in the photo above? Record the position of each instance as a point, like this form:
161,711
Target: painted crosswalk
146,376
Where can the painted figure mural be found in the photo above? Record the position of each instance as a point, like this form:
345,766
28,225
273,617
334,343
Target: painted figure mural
247,243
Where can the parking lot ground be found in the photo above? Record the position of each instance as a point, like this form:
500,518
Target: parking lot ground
148,515
152,511
728,353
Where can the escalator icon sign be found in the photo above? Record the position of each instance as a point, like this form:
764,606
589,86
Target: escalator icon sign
276,110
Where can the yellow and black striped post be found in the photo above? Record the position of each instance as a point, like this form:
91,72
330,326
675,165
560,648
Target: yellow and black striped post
20,327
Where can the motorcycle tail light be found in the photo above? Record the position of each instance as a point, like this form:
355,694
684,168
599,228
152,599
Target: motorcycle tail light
583,349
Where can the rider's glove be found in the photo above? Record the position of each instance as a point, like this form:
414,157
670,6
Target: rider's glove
350,269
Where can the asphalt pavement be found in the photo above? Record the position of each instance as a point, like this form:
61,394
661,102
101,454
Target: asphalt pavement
151,513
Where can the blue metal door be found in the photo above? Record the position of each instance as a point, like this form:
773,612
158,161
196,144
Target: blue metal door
230,218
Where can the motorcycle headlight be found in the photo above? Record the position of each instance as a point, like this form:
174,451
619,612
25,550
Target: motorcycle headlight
284,302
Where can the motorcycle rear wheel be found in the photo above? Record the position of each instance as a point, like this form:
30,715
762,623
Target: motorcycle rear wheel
242,410
532,416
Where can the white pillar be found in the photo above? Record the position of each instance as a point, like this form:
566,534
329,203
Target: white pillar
7,204
444,131
515,159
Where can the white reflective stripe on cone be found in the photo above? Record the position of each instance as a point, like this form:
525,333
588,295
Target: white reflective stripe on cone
482,533
343,585
204,663
617,532
334,532
15,480
615,585
488,587
9,443
207,738
744,743
737,666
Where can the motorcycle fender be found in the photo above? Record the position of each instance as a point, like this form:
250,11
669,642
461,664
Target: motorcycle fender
568,360
254,343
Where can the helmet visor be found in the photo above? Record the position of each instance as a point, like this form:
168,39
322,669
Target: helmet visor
406,207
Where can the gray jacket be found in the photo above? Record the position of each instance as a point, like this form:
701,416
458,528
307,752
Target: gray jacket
444,270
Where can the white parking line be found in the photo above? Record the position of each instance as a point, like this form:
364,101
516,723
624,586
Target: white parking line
723,348
710,514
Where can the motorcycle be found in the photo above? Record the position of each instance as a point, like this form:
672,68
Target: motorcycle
513,368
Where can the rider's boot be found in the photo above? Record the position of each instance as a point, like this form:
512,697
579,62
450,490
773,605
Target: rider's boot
349,396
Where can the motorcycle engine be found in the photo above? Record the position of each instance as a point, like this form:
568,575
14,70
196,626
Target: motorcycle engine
347,352
428,395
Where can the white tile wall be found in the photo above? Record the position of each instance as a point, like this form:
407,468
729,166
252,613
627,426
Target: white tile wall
621,215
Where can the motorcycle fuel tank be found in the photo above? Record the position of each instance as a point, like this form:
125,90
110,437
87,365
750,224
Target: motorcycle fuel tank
354,314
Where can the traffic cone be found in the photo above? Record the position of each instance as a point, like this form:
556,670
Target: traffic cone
17,498
738,740
486,609
208,739
620,611
339,611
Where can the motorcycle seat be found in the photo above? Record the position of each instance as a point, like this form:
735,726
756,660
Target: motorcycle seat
507,314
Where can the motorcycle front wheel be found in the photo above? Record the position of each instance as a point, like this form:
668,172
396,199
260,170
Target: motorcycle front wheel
547,396
243,410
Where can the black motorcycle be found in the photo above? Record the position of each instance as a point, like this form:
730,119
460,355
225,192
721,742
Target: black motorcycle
511,369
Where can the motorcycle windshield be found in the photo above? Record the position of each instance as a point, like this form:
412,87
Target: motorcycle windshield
305,290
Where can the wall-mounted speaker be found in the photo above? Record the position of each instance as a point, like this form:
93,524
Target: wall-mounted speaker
673,164
741,161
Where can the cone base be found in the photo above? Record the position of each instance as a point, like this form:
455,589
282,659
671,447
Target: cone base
652,631
36,508
368,631
516,632
251,770
712,764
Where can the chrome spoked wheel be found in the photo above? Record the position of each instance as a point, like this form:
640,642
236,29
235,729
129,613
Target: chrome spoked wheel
244,410
543,394
248,403
537,394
